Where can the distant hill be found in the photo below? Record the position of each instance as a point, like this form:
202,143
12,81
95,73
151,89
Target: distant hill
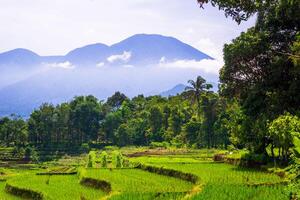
19,57
141,49
178,89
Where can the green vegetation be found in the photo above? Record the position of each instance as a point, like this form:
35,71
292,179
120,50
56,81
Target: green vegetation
56,186
223,181
253,119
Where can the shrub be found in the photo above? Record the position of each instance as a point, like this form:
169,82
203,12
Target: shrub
219,157
24,193
169,172
159,144
118,159
97,184
31,154
84,147
103,159
91,159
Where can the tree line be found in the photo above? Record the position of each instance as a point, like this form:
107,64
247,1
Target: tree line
192,118
257,106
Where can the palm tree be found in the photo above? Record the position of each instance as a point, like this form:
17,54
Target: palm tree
195,90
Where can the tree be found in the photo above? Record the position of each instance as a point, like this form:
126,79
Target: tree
123,135
155,123
13,131
41,126
195,90
175,121
116,100
209,105
193,132
110,124
260,68
85,118
282,131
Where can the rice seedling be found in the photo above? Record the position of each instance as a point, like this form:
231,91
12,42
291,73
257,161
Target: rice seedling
138,181
62,187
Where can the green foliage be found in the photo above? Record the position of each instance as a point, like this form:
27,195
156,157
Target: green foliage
118,159
96,183
65,187
138,181
91,163
116,100
283,131
31,154
103,158
159,145
193,131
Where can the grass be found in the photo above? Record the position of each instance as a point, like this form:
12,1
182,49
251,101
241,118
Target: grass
4,195
138,181
60,187
223,181
218,181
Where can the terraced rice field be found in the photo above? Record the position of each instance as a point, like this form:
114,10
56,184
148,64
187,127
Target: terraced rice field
140,184
223,181
217,181
56,187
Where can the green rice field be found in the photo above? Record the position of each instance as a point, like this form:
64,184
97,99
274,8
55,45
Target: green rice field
216,181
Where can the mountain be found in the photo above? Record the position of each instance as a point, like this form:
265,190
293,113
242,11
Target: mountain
19,57
131,66
90,54
178,89
139,49
152,48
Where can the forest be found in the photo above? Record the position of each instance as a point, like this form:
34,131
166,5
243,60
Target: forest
256,109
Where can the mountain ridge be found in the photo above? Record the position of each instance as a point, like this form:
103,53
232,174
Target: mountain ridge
143,49
133,66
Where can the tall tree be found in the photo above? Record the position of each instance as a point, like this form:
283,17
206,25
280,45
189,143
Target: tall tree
195,90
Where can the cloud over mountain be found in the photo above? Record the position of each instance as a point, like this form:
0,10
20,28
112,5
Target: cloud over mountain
141,64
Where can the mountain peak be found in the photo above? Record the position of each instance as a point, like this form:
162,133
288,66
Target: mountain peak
138,50
19,51
177,89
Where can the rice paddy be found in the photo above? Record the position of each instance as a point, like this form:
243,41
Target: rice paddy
217,181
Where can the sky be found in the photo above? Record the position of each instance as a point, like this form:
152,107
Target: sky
54,27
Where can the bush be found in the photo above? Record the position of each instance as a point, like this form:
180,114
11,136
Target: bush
118,159
253,160
91,159
97,184
169,172
103,159
159,144
24,193
84,147
31,154
219,157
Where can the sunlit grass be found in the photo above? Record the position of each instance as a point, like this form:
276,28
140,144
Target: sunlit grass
60,187
138,181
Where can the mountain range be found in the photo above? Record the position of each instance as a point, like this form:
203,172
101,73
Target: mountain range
139,49
133,66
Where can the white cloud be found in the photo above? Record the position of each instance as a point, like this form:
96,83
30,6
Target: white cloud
62,65
101,64
162,59
92,21
206,65
209,47
125,57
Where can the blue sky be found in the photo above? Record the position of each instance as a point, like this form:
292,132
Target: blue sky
52,27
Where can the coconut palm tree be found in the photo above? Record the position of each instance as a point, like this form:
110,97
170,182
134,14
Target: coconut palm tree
195,90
